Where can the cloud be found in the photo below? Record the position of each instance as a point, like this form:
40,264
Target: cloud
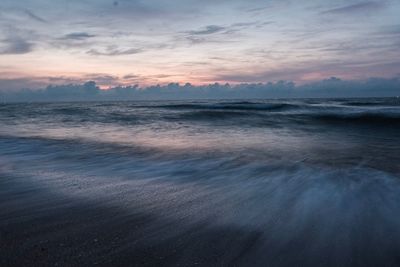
73,40
310,70
78,36
393,30
244,24
212,33
37,82
333,87
360,7
15,45
34,16
260,76
208,34
210,29
102,79
114,51
130,76
196,40
15,84
128,9
258,9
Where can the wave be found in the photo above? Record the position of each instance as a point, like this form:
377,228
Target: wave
250,113
230,106
210,115
304,120
72,110
391,102
389,118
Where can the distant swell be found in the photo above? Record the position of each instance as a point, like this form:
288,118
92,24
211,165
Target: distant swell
210,115
390,119
394,102
231,106
72,111
303,117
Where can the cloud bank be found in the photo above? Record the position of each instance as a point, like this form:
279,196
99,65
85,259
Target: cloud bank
329,88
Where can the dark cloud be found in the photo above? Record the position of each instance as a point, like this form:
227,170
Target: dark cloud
196,40
74,40
258,9
210,29
131,76
161,76
78,36
211,33
244,24
15,45
34,16
208,33
114,51
102,79
360,7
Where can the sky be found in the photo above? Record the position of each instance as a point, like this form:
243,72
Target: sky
150,42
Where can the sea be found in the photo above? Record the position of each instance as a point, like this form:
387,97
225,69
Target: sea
282,182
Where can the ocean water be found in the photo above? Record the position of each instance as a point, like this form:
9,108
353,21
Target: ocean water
312,182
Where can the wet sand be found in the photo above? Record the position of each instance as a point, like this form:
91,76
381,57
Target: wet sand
41,228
